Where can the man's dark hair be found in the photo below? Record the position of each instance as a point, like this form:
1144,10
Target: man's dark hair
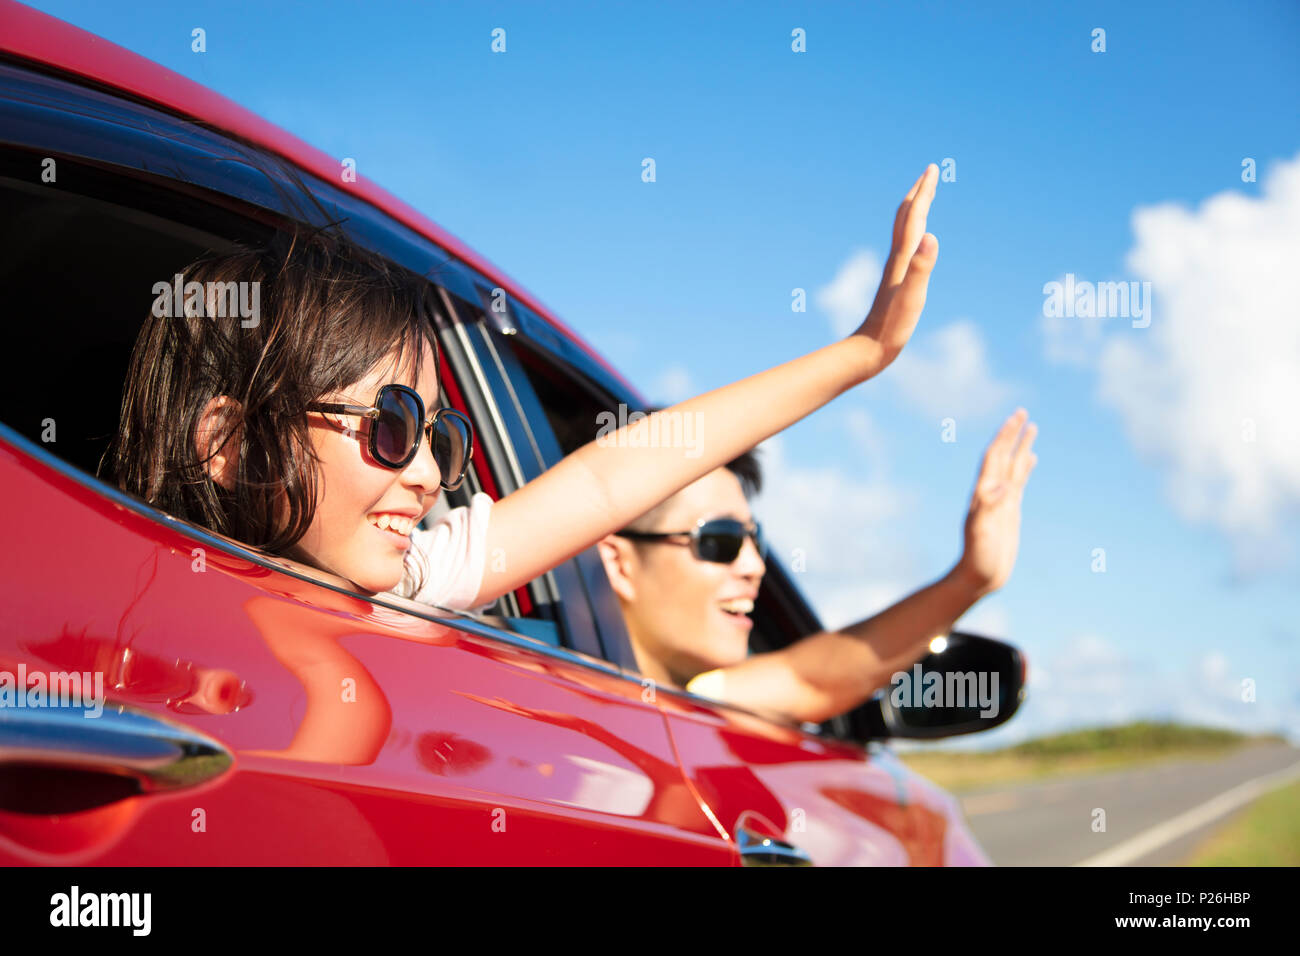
747,468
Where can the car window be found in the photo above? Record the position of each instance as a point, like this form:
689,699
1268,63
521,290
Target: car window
77,269
76,274
573,410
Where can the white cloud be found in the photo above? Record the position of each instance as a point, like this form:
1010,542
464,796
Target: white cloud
1213,697
672,386
989,617
1214,667
947,374
865,433
1073,340
1211,390
1092,666
848,297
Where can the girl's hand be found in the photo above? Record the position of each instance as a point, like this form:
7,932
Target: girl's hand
906,277
993,524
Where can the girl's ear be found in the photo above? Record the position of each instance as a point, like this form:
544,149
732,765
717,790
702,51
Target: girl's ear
221,463
621,564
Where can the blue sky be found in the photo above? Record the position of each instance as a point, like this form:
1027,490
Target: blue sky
778,170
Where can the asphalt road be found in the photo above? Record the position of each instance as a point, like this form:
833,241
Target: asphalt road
1154,815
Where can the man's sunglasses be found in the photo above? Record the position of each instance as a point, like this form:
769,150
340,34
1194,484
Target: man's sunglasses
397,424
718,540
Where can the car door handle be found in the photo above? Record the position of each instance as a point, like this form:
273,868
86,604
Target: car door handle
758,850
155,754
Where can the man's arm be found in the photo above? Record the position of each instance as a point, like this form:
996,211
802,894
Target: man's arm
832,672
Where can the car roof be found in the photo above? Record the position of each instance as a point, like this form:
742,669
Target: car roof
37,37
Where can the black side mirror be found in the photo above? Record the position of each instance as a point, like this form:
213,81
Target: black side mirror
966,684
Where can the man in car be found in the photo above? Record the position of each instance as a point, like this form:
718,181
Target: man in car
687,573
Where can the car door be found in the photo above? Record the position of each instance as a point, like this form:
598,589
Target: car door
788,796
256,713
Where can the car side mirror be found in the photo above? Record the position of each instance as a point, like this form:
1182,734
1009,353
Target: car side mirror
964,685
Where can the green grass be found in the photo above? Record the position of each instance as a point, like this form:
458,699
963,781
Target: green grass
1267,833
1077,752
1143,736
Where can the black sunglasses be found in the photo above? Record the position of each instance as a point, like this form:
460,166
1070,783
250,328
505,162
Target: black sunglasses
718,540
397,422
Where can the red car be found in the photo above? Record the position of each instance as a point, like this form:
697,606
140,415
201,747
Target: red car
257,716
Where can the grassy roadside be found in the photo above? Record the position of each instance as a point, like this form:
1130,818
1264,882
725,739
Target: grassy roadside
1266,833
1077,752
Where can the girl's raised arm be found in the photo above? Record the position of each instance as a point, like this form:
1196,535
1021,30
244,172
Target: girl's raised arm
609,482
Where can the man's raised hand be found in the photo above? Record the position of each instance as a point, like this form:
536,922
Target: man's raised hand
993,524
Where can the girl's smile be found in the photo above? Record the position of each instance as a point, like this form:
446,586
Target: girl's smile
366,511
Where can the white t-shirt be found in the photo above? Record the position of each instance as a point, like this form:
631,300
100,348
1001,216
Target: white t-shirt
452,555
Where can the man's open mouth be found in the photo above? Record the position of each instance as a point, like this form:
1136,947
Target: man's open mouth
738,607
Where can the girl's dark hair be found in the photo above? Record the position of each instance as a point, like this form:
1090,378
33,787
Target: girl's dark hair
328,313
